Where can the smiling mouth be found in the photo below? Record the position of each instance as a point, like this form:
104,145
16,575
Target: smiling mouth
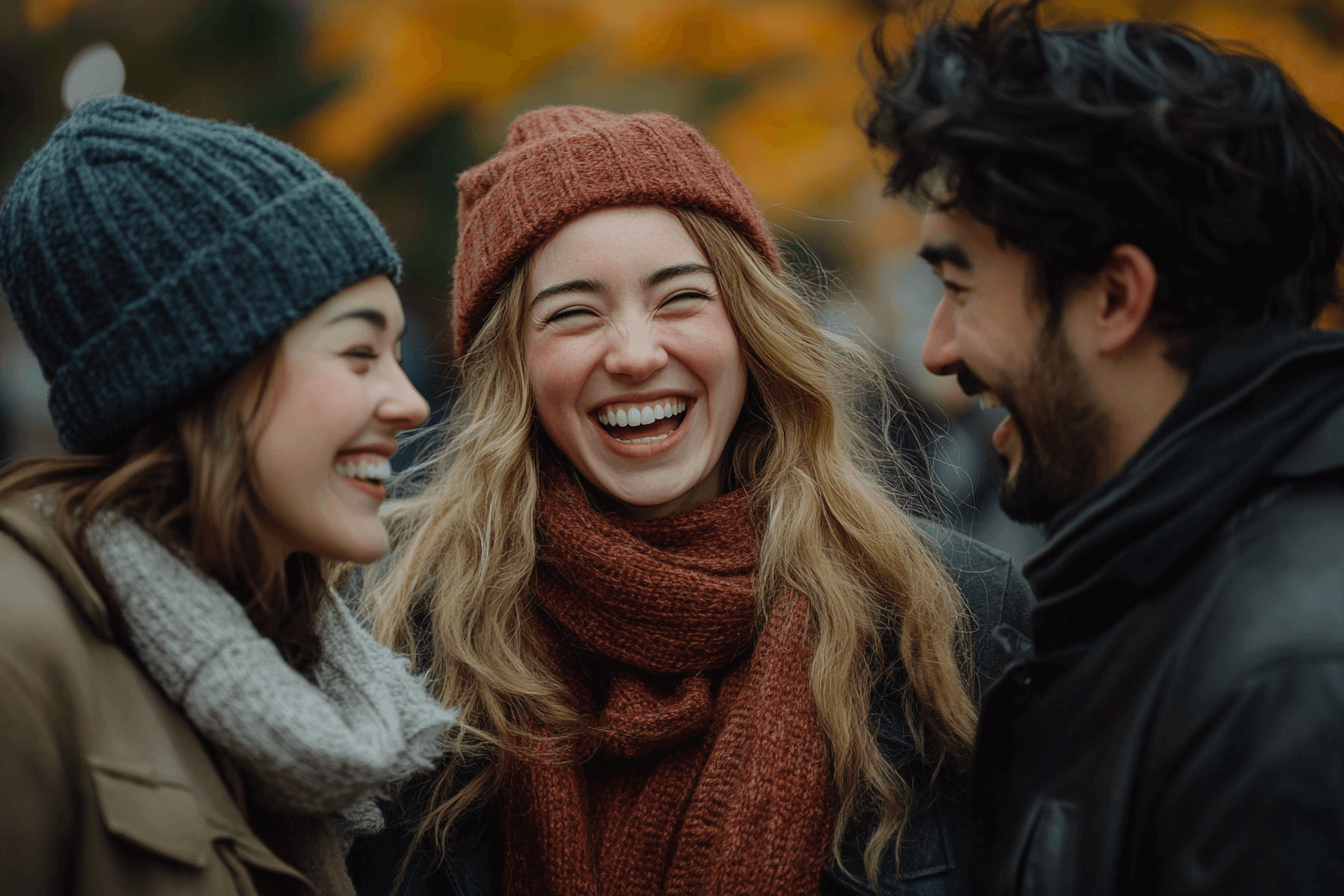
1007,426
373,470
639,424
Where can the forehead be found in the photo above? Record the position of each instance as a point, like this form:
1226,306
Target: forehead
955,227
638,236
377,294
962,246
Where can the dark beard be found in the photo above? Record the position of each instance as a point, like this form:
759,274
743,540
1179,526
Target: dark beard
1063,431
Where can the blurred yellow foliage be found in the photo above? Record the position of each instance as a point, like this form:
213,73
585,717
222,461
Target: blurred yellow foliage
725,38
791,133
1316,68
43,15
791,136
412,59
790,130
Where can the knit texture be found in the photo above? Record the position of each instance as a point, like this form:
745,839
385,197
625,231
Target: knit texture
307,747
703,769
147,254
562,161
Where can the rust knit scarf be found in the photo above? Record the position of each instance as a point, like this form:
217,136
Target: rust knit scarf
704,770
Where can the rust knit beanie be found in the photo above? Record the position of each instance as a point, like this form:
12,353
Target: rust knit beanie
562,161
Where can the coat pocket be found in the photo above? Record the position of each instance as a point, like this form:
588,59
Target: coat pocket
151,811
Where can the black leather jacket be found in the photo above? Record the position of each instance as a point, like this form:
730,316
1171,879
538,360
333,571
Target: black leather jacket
933,854
1180,726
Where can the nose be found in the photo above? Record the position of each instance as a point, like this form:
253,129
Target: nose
403,407
940,355
635,353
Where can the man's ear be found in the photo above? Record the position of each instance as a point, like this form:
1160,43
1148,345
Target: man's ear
1124,297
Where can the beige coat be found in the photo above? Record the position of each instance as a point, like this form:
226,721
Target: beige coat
105,787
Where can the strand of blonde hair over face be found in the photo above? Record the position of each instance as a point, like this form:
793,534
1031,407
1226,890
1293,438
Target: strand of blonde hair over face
466,550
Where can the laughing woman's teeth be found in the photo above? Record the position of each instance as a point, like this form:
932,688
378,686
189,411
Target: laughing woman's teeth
377,472
641,416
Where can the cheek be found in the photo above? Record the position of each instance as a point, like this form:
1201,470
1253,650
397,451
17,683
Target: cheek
282,484
716,355
557,375
540,373
553,392
303,422
731,380
987,346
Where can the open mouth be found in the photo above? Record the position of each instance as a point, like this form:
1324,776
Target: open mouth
643,423
375,472
1007,426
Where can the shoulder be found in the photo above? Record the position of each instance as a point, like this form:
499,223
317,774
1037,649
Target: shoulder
1268,596
41,620
53,653
1273,579
995,593
46,674
46,570
55,644
1254,672
986,576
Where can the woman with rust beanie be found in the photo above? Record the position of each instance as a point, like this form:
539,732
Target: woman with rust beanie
698,646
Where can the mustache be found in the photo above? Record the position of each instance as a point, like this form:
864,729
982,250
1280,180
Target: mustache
969,382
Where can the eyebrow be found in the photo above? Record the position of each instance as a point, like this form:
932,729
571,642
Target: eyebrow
949,253
662,275
372,315
568,286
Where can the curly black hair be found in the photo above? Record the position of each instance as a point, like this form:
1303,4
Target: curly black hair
1069,141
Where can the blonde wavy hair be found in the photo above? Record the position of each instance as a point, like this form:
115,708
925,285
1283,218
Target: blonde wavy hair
465,548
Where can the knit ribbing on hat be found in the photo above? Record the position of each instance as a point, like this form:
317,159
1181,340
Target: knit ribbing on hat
147,254
560,162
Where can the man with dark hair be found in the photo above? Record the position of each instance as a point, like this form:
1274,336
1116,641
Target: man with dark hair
1136,228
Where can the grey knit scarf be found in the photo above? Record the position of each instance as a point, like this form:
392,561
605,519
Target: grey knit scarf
308,747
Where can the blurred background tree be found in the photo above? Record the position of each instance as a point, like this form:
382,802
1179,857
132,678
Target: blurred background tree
398,96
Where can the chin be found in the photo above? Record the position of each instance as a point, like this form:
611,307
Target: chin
1035,496
368,553
650,490
364,549
646,498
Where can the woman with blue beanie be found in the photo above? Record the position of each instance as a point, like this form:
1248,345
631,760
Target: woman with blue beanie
184,706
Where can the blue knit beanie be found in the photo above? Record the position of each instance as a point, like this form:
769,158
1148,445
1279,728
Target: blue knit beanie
147,254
